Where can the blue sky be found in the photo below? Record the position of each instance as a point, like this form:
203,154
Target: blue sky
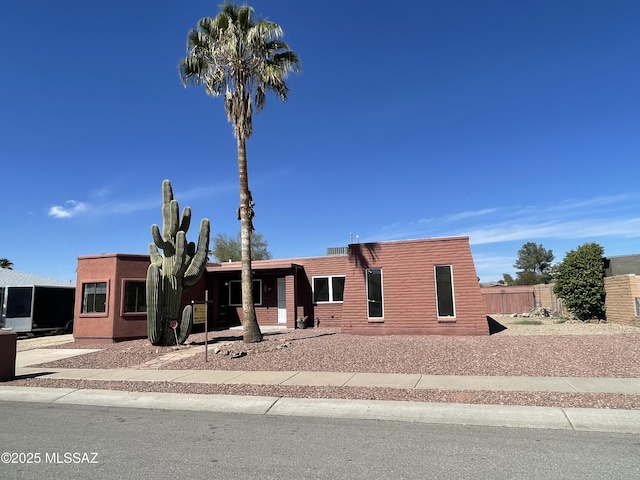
508,121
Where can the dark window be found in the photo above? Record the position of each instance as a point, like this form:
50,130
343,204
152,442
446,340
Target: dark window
94,297
235,292
328,289
444,291
135,297
337,288
374,293
19,302
321,289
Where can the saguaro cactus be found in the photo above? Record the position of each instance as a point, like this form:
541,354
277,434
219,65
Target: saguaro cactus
180,265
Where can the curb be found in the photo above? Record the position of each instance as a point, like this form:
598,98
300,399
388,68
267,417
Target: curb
577,419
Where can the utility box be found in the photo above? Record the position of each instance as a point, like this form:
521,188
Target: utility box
8,348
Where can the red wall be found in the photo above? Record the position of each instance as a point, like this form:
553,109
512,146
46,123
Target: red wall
114,324
409,291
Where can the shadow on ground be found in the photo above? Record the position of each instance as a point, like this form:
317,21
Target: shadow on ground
494,326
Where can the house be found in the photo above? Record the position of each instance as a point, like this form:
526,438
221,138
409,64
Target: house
32,303
425,286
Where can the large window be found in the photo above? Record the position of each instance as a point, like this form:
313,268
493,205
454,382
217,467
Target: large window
135,297
375,301
94,297
328,289
235,292
444,291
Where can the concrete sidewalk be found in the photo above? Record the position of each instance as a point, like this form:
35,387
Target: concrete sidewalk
629,386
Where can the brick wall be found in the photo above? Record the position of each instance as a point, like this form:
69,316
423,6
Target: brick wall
622,290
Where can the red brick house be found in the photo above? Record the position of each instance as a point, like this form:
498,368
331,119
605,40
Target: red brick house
426,286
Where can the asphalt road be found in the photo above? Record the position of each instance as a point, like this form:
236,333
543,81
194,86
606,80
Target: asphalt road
66,441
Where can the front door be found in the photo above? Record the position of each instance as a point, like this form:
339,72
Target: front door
282,300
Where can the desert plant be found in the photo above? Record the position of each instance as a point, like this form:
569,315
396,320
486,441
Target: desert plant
180,265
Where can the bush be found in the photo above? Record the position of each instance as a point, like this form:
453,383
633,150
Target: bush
580,281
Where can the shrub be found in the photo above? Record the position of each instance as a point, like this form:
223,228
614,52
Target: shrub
580,281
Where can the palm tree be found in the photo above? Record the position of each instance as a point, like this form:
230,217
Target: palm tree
6,263
241,58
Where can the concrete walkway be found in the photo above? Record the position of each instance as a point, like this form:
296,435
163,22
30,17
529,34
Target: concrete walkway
625,421
629,386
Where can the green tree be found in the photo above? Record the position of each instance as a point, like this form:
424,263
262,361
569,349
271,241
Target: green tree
508,279
226,247
579,281
6,263
240,58
533,264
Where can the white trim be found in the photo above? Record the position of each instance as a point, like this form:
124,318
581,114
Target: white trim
330,285
380,318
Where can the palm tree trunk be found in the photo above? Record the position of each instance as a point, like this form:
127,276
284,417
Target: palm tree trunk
251,329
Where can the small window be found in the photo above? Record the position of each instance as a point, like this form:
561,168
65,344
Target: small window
94,297
444,291
135,297
235,292
328,289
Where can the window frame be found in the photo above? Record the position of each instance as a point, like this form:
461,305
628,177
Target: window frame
330,288
125,283
445,318
84,312
371,319
239,282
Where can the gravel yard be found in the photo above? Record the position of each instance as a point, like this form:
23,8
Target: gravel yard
570,349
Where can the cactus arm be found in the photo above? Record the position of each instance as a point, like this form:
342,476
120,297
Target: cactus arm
199,260
186,219
186,324
179,265
154,307
174,218
157,239
156,258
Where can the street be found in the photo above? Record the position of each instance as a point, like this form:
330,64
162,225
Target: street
44,441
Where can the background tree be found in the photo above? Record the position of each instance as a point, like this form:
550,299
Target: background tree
241,58
579,281
534,264
6,263
226,247
508,279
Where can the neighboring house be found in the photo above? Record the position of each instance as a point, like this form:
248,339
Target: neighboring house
426,286
31,303
622,265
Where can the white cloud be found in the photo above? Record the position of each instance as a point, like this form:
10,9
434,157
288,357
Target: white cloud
603,216
470,214
588,228
70,209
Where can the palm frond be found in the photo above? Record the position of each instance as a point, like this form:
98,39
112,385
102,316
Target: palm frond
235,55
